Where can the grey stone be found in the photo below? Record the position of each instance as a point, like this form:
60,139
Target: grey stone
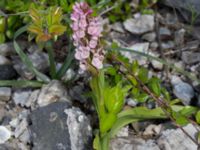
25,137
150,145
70,74
168,45
3,112
123,132
7,48
156,64
52,92
150,37
48,128
171,19
131,102
31,102
184,92
164,33
4,60
14,144
175,139
21,127
14,122
117,26
185,7
77,92
140,47
21,97
5,134
39,60
23,146
140,25
154,46
179,37
5,93
58,127
33,48
190,57
79,128
7,72
152,129
191,46
131,143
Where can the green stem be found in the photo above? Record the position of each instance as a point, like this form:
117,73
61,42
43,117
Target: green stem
105,141
49,48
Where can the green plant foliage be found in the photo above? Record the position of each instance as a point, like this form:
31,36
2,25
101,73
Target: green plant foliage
21,83
198,117
46,25
121,12
114,97
154,85
135,115
144,6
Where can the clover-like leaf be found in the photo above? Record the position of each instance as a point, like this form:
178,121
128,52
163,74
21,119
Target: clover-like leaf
35,16
57,29
35,29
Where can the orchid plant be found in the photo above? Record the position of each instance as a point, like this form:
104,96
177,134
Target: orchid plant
109,99
108,95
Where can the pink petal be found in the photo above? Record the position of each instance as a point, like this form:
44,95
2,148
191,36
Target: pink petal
83,23
80,33
85,54
75,26
83,66
97,63
78,55
93,43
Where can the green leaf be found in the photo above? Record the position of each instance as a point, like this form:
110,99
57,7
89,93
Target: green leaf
135,67
50,51
143,75
179,118
175,101
198,137
165,94
114,45
148,11
96,142
25,59
105,141
198,117
111,70
121,122
57,29
155,86
188,110
142,97
184,110
144,113
107,122
114,97
135,91
66,64
21,83
134,115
